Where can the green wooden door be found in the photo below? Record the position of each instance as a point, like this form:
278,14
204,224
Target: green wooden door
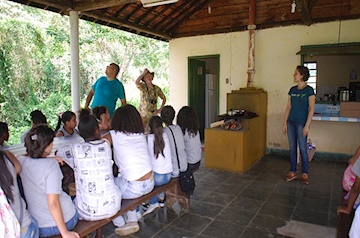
197,71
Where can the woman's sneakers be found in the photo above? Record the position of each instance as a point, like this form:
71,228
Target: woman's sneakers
304,179
127,229
291,176
151,208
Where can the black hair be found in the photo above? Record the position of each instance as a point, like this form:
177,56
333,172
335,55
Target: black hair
84,112
304,71
89,128
37,139
3,128
64,117
117,68
37,117
6,179
4,132
187,120
156,128
127,119
98,111
168,114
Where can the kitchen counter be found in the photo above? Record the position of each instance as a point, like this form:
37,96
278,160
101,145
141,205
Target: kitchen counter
330,112
333,117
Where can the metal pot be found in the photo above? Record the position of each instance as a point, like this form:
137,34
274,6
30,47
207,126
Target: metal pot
344,95
231,112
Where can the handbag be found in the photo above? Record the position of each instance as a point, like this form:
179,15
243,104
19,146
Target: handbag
186,178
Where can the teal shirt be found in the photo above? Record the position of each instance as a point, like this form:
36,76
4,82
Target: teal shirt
300,103
106,93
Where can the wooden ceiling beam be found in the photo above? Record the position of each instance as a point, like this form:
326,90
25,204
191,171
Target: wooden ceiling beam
85,6
304,8
101,16
64,5
174,11
159,14
132,13
188,15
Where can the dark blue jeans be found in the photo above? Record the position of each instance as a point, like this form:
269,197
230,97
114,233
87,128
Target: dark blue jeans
294,131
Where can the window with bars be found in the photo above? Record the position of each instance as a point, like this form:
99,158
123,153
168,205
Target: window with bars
312,66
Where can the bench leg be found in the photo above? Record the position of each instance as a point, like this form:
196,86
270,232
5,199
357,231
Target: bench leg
176,194
98,233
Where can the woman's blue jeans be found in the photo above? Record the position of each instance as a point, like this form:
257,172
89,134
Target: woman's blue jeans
52,231
160,179
294,131
32,231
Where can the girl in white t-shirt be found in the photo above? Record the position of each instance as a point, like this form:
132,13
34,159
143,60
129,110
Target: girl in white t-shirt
131,155
160,153
70,123
189,123
176,140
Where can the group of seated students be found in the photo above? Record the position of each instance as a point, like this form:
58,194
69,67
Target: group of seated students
143,161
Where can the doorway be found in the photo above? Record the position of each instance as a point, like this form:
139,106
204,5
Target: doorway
203,89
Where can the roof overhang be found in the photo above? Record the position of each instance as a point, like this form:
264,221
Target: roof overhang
331,49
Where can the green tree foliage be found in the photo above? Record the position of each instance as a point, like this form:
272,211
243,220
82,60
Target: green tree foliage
35,63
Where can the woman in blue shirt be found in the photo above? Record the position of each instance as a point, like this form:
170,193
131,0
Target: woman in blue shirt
298,115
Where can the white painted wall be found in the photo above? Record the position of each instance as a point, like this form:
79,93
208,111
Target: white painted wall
275,61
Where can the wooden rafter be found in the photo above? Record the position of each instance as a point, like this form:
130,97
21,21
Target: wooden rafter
173,12
85,6
99,15
147,13
50,3
184,7
132,13
187,16
120,10
304,8
154,17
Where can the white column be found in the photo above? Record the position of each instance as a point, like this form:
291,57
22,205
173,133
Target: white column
74,52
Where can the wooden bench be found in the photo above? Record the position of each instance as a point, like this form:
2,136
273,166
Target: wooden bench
345,220
173,194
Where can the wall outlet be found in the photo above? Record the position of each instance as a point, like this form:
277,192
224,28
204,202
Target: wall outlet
227,80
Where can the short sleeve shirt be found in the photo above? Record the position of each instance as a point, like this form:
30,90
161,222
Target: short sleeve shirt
38,185
97,196
300,103
107,92
148,94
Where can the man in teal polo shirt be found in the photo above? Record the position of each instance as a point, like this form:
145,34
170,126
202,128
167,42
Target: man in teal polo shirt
106,90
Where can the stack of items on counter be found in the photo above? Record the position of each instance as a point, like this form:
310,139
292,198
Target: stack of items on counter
228,124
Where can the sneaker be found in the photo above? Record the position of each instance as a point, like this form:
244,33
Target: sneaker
151,208
145,205
304,179
291,176
127,229
162,201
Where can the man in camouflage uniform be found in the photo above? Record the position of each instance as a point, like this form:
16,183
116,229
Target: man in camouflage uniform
149,94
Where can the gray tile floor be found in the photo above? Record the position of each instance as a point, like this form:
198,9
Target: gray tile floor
250,204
